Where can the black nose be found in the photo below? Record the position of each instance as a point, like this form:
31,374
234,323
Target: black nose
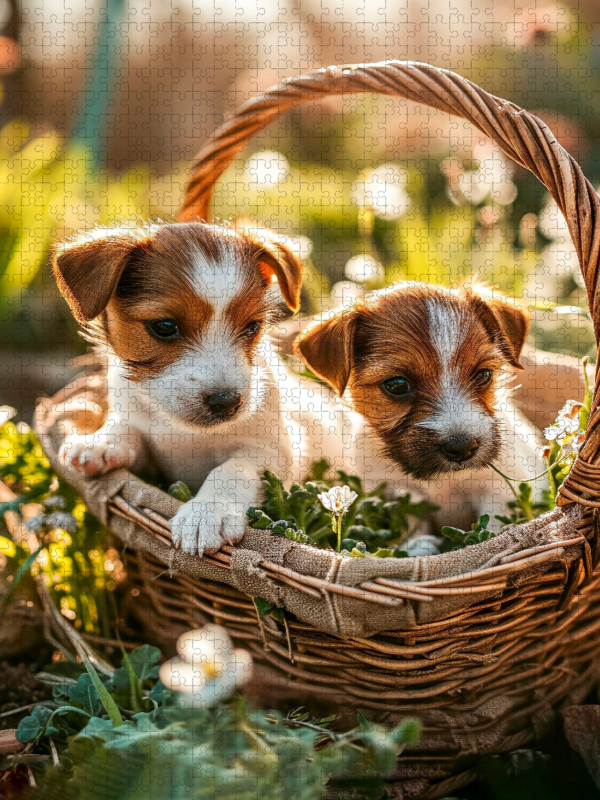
459,448
224,404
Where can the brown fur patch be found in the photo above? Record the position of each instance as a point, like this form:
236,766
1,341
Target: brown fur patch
118,280
388,335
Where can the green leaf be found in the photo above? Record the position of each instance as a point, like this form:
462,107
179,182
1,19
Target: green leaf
364,723
263,606
33,727
297,536
258,519
180,491
85,693
18,576
408,732
107,701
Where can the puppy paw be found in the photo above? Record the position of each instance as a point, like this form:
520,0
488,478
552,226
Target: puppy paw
204,525
98,453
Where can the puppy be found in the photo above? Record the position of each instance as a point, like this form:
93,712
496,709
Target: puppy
427,369
182,313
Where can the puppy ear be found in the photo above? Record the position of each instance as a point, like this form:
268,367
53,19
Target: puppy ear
89,266
506,324
327,347
275,257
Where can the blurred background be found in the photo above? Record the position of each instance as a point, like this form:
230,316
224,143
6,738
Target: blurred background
105,102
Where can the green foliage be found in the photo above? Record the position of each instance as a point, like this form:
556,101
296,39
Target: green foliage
478,533
165,750
523,508
373,525
73,541
180,491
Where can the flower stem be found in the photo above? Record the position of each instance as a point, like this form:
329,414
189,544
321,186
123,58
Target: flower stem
338,529
535,477
551,481
584,414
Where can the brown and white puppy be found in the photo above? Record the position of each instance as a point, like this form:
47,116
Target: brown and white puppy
427,369
181,312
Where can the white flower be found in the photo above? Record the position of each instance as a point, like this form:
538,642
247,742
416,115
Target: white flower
345,292
62,520
208,669
574,446
268,167
365,269
566,425
561,430
6,413
338,500
56,501
544,453
424,545
570,410
36,523
383,190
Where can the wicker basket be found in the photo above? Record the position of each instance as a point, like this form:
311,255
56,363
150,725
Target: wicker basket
483,645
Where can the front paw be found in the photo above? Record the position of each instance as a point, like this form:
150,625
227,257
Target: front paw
97,453
205,525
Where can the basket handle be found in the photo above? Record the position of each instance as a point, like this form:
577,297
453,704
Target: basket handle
520,135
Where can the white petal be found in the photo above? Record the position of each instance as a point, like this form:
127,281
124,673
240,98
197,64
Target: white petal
181,677
208,648
238,671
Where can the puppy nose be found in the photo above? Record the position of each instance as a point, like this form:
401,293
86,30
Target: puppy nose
459,448
223,404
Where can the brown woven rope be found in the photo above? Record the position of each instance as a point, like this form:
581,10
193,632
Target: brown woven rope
483,646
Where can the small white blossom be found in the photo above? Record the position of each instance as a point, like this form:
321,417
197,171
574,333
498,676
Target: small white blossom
62,520
561,430
35,524
570,410
424,545
545,452
338,500
208,669
575,445
6,413
566,425
55,501
268,167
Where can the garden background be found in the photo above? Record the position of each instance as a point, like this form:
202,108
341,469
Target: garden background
104,105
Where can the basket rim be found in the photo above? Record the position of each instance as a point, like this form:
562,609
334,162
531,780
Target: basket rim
553,541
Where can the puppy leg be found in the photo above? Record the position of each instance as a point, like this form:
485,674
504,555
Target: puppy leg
217,515
115,445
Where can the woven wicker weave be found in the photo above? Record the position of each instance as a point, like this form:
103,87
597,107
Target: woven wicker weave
492,644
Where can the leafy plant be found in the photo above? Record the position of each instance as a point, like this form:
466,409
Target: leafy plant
373,525
478,533
73,553
158,748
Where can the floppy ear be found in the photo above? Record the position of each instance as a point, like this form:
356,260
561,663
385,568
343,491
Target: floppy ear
278,260
327,347
89,266
505,323
275,257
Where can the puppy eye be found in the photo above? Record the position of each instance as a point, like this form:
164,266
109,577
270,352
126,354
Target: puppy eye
163,328
396,387
483,377
252,329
